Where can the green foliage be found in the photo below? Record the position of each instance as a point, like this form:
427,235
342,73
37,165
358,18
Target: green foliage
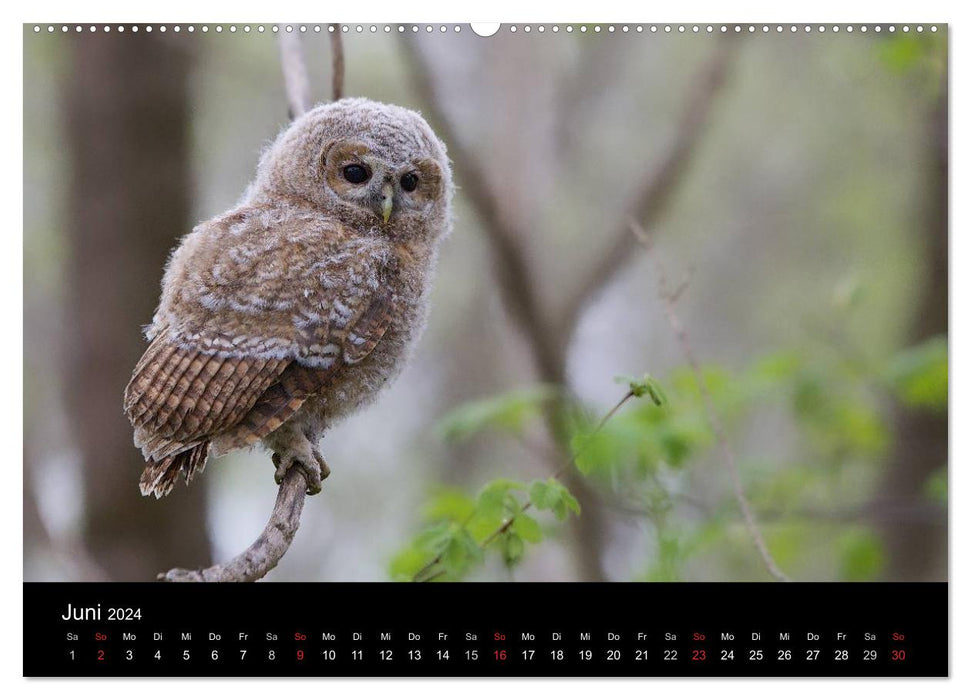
918,375
861,555
512,548
448,542
449,504
906,53
903,52
553,496
637,442
838,418
507,412
460,530
920,57
527,528
498,501
649,453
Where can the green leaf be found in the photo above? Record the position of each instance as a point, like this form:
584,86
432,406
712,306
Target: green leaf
527,528
409,562
513,548
496,502
508,412
434,538
539,494
594,452
918,375
553,496
493,501
450,504
645,386
461,553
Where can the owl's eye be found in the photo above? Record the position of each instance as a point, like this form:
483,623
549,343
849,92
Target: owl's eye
356,174
409,182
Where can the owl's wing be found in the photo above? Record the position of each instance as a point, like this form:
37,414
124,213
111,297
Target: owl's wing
178,395
349,343
239,357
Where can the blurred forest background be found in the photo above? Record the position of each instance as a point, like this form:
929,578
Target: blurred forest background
797,181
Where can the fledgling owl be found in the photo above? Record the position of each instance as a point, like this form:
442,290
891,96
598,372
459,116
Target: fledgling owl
293,309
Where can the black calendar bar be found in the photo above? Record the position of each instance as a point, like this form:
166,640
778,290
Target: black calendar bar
471,629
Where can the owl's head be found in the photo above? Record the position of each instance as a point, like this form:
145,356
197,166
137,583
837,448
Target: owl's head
374,166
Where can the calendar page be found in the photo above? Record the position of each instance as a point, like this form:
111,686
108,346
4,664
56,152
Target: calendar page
604,349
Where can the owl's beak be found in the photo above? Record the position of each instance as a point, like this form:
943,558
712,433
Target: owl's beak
387,201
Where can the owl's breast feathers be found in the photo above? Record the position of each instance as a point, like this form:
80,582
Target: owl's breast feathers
261,309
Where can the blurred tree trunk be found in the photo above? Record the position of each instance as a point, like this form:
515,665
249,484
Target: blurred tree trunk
128,136
918,549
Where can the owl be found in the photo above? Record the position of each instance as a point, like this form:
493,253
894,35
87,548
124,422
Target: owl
292,310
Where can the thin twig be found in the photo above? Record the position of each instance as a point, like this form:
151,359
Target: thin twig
420,576
717,427
652,200
295,78
583,90
267,550
337,63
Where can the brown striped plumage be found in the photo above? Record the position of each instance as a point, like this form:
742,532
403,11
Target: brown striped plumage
294,309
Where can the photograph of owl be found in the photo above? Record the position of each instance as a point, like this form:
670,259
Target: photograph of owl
292,310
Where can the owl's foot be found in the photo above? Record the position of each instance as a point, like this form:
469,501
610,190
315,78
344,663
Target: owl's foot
307,459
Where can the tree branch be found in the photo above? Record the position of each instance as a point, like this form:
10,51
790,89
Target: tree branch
267,550
337,63
653,198
668,298
516,281
295,78
579,95
547,339
520,297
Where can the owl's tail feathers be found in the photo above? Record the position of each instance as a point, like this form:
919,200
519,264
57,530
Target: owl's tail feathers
159,477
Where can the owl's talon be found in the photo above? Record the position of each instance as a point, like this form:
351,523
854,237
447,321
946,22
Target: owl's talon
313,478
313,467
324,469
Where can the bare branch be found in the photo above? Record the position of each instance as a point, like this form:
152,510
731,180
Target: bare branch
653,198
591,79
717,427
295,78
337,63
265,553
516,281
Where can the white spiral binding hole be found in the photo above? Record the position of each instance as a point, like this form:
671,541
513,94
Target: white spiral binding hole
487,30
